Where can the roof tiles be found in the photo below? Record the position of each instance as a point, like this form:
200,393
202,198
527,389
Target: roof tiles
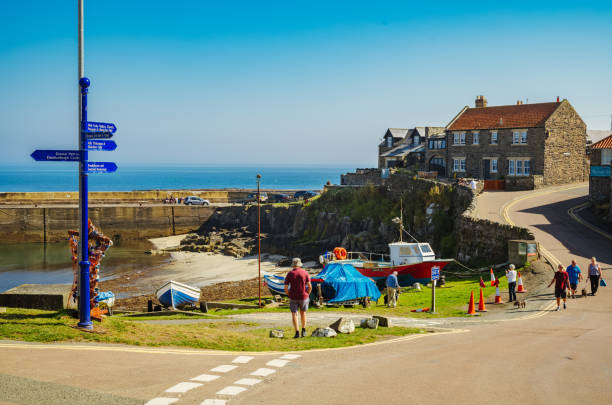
605,143
505,116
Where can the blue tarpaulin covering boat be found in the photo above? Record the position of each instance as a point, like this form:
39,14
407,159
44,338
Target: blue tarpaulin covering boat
347,283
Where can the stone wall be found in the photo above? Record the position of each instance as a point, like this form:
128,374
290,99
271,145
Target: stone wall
565,147
513,183
599,189
361,177
21,225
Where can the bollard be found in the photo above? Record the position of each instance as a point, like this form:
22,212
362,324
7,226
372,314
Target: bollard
203,306
150,306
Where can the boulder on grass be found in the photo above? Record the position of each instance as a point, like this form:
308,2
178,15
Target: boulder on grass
372,323
343,325
277,333
324,332
383,321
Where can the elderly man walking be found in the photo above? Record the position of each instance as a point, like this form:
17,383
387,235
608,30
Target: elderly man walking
392,287
561,281
298,288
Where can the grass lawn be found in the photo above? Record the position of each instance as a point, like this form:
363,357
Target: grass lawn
59,326
451,300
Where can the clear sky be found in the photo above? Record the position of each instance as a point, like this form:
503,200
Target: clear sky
287,82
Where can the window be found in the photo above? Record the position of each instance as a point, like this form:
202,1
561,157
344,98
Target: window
519,137
523,136
459,138
606,156
493,165
519,167
476,139
389,142
494,138
459,164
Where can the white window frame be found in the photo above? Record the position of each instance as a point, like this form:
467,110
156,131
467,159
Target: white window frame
493,166
519,167
511,167
606,157
519,137
458,138
524,137
476,138
458,164
494,139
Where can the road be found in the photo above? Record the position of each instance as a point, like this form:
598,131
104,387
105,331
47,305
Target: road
551,357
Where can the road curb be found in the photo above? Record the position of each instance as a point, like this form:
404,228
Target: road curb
572,213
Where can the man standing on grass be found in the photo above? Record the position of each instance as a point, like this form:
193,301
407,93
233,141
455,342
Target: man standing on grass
575,277
561,280
298,288
392,287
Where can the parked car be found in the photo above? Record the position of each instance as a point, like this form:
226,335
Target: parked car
304,194
279,198
263,196
193,200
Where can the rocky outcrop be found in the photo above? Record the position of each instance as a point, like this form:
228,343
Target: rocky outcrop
238,242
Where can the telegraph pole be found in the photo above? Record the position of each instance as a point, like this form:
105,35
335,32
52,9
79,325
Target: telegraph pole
258,240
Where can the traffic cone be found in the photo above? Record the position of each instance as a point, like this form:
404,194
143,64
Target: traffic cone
498,299
519,283
471,309
481,303
492,278
482,284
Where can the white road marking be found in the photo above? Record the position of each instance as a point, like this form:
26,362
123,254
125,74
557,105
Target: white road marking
277,363
290,356
243,359
248,381
263,372
224,368
183,387
162,401
231,390
205,378
214,402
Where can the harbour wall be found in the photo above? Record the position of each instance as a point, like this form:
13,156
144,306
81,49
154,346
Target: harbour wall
51,224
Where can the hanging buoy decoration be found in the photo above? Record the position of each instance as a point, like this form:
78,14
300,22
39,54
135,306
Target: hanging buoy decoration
340,253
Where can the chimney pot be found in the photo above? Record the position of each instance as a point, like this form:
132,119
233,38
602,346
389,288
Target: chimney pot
481,101
557,99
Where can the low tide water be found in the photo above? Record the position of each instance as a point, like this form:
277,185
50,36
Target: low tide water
38,263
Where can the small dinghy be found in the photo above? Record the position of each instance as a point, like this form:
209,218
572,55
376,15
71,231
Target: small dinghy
276,284
174,294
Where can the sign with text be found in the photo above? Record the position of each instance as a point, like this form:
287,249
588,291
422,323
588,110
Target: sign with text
56,155
98,135
100,144
101,167
100,127
435,273
600,171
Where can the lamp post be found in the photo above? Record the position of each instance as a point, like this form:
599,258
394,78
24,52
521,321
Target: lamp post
258,241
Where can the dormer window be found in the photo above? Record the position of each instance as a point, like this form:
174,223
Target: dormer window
389,141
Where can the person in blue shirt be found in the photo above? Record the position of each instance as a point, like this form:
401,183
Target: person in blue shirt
392,287
575,276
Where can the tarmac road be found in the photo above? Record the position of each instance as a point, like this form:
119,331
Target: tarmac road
551,357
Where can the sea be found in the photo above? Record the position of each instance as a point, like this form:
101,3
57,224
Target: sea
55,176
50,264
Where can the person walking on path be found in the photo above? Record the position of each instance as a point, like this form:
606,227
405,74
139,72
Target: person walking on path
594,275
575,277
561,280
392,286
298,288
511,276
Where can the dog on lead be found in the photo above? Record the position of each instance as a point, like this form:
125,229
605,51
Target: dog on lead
584,293
519,304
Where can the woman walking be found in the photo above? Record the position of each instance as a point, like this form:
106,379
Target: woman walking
594,275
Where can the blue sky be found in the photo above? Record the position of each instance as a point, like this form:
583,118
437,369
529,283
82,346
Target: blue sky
287,82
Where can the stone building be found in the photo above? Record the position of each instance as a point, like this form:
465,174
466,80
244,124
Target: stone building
408,151
601,162
525,144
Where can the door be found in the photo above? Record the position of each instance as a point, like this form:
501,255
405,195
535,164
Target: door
487,169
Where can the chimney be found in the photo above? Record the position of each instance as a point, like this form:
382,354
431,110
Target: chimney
557,99
481,101
519,102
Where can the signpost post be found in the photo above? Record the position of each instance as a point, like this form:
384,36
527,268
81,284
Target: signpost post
258,241
435,275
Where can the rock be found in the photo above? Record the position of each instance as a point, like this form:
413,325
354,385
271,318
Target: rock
343,325
277,333
417,286
324,332
364,323
383,321
372,323
278,298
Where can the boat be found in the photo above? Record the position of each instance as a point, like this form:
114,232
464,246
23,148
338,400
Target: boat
276,284
341,283
174,294
412,261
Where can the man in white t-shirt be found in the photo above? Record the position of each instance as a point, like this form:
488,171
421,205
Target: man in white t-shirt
511,276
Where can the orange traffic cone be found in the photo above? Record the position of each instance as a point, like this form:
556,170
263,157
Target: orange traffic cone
492,278
481,303
498,299
519,283
482,284
471,309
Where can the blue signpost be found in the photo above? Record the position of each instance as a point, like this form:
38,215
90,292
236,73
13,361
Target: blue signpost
435,275
93,136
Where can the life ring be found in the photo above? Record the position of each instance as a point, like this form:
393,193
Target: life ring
340,253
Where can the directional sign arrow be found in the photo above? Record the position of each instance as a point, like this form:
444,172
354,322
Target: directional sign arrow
56,155
101,127
101,167
98,135
98,144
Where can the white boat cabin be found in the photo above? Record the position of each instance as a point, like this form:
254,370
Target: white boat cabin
410,253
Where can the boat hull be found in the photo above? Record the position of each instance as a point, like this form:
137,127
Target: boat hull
173,294
407,274
276,284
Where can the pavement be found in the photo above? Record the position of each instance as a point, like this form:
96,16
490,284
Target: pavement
539,357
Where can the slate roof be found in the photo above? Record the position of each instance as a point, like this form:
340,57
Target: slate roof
505,116
398,132
403,150
605,143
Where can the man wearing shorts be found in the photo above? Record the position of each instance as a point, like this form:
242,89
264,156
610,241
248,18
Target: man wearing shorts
575,277
298,288
561,280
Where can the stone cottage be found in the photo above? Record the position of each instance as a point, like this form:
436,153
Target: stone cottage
525,144
601,162
407,151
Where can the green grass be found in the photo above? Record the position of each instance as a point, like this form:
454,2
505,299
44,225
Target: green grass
60,326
